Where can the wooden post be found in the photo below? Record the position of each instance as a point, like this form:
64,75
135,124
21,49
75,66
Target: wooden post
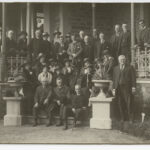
47,19
3,51
93,16
61,15
28,22
22,18
132,34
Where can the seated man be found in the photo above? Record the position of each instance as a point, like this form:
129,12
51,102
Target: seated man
43,100
78,104
62,97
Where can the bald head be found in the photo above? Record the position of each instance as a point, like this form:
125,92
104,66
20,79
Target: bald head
78,89
117,28
124,27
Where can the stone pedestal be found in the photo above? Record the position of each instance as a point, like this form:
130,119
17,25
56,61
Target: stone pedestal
13,116
100,113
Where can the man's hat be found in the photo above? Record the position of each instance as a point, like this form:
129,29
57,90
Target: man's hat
89,66
106,52
86,60
68,35
45,34
23,33
57,67
67,60
40,56
25,63
57,32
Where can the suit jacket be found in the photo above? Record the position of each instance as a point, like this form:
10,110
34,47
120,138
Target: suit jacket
78,101
99,48
144,37
62,94
126,77
42,93
35,46
88,51
115,43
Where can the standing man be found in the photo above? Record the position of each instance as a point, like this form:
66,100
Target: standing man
100,46
11,45
81,36
46,46
115,42
126,42
124,83
22,44
43,100
88,49
144,35
62,98
35,46
75,51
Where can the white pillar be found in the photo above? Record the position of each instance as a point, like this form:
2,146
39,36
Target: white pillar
93,16
100,113
28,22
47,20
132,33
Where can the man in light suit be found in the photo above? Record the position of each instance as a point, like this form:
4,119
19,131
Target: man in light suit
124,83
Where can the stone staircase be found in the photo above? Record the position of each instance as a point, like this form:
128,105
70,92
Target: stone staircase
43,120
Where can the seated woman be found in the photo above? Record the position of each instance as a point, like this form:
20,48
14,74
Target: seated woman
45,74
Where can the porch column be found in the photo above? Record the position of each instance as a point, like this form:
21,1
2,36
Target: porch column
3,49
132,34
33,20
141,11
47,19
93,16
22,18
61,15
28,22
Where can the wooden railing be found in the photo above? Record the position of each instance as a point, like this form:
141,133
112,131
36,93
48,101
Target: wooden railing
14,65
141,61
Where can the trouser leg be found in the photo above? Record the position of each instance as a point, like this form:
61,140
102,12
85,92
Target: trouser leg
60,116
35,115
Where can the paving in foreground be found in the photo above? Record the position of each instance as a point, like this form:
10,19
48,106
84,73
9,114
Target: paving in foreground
42,134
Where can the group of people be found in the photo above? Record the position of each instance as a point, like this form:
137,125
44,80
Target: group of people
59,73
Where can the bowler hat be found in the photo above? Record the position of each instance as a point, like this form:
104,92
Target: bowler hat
45,34
57,32
23,33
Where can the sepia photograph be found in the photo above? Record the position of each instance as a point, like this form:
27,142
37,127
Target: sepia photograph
74,73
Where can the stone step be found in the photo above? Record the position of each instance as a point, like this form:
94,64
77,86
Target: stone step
43,120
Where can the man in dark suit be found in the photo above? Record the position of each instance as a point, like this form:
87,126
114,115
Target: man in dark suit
144,35
35,45
100,46
46,46
78,104
43,101
11,45
115,42
124,83
88,49
126,43
62,98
